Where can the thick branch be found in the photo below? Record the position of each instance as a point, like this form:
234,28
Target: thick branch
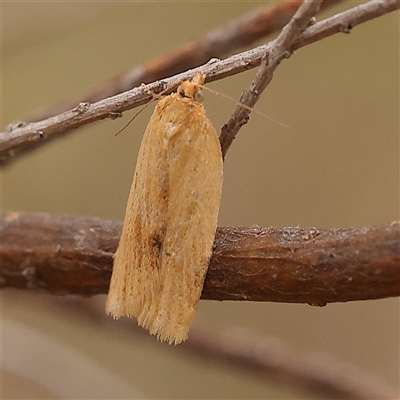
73,255
20,138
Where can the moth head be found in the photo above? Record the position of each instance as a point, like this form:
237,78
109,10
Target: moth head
193,89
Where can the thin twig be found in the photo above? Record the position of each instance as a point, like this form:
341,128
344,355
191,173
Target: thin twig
18,139
234,35
268,358
73,255
318,374
270,61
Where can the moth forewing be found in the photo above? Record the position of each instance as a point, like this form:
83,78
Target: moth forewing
171,218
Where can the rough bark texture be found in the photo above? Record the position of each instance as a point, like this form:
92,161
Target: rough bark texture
73,255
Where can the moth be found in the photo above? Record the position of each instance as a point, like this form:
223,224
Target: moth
171,218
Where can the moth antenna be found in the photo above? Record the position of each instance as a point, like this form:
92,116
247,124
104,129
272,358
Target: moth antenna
131,120
154,97
238,103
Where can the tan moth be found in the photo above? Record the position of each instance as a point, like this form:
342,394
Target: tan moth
171,218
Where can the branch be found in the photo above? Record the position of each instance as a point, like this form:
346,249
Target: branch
22,137
232,36
318,374
73,255
290,40
268,358
270,61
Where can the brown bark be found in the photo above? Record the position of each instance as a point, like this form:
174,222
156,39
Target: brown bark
73,255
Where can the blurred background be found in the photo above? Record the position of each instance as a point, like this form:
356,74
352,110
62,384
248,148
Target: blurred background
337,165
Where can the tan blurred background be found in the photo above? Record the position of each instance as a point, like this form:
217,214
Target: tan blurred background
336,166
